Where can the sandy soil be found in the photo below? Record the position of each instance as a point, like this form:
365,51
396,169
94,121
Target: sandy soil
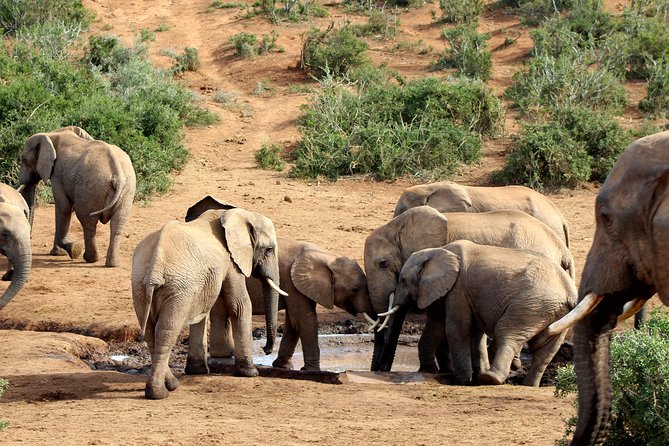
55,398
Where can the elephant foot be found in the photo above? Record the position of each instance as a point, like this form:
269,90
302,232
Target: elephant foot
311,368
432,368
171,383
156,394
58,251
111,263
7,277
516,364
196,367
286,364
246,372
490,378
90,257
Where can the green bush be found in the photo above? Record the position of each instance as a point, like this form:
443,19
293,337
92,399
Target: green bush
555,38
461,11
656,101
567,81
468,52
545,156
188,61
425,128
18,14
380,23
646,40
268,157
290,10
640,383
246,44
3,386
332,52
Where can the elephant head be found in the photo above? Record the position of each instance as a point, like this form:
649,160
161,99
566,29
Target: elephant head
331,280
15,245
625,266
443,196
426,276
252,244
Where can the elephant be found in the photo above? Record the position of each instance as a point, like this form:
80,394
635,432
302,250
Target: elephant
14,241
94,179
179,271
512,295
447,196
311,275
389,246
625,266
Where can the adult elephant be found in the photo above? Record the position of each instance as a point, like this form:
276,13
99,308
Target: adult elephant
92,178
179,271
310,275
14,241
626,266
512,295
389,246
447,196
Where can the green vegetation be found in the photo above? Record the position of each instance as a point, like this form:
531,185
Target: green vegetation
468,52
246,44
332,52
3,386
461,11
656,102
112,91
640,382
387,128
380,24
289,10
188,61
18,15
268,157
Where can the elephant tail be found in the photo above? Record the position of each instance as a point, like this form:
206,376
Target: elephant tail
118,182
150,288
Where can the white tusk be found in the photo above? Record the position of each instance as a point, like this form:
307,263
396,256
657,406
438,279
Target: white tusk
584,307
385,323
393,310
631,308
368,319
275,288
373,326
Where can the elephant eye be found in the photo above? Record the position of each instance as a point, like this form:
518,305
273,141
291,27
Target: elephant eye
269,250
383,264
355,289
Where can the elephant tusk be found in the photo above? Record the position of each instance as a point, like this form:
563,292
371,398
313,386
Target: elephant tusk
393,310
584,307
371,321
631,308
385,323
271,283
373,326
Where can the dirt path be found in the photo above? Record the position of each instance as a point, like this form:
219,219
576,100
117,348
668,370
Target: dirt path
55,398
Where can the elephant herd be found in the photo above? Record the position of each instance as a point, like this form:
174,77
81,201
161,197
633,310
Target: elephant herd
479,261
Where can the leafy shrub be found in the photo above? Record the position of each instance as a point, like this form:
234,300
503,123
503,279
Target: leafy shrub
188,61
461,11
468,52
545,156
555,38
567,81
647,41
51,38
656,101
640,382
602,136
3,386
268,157
17,14
380,23
424,127
291,10
244,44
332,52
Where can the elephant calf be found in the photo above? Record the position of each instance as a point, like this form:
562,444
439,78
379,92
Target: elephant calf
14,241
310,275
512,295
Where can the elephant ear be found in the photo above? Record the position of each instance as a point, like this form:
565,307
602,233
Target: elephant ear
450,197
440,271
240,237
81,133
44,152
205,204
313,277
422,227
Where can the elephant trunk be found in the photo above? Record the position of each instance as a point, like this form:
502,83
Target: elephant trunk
271,300
28,192
592,338
379,341
21,261
387,356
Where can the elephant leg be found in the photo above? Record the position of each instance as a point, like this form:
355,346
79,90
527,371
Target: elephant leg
431,338
221,343
116,226
239,306
196,361
308,330
479,346
444,357
160,341
63,206
284,359
543,350
89,226
507,348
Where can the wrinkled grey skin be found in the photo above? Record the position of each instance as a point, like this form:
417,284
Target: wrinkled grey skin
310,275
92,178
447,196
14,241
179,271
389,246
511,295
627,260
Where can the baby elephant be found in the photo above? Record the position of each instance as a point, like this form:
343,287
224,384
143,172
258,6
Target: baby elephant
511,295
310,275
14,241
